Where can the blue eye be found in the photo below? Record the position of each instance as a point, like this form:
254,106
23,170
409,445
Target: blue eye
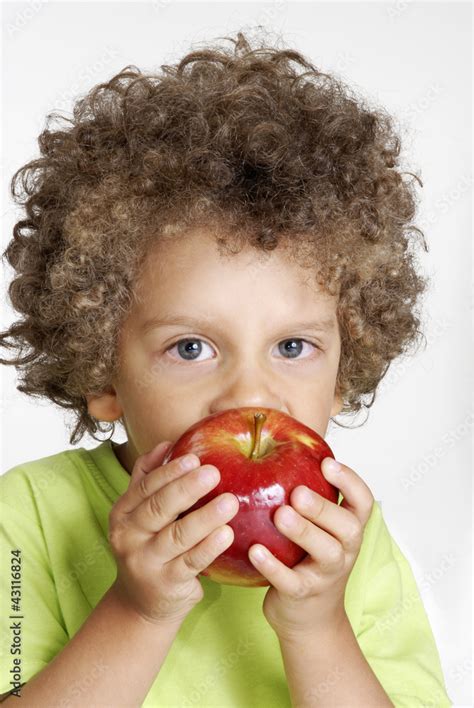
190,349
294,347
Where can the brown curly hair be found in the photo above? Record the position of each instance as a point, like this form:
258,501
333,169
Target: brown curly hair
254,140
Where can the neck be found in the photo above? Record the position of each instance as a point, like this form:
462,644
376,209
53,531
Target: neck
122,454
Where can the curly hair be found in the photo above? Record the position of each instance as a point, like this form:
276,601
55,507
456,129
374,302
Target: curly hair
254,140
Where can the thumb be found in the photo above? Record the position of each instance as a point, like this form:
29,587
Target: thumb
150,460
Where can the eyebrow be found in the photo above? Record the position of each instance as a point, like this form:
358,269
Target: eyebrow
323,325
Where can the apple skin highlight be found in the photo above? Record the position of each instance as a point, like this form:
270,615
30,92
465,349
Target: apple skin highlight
286,454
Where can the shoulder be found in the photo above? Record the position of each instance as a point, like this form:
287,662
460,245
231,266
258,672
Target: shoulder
31,478
376,537
375,554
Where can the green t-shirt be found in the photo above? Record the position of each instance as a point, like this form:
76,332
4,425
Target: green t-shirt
55,512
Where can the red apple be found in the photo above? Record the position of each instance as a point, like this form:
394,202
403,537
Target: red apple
262,455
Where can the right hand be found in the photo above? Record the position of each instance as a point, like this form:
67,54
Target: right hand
158,558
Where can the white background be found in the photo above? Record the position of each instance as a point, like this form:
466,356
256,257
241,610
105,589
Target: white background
413,58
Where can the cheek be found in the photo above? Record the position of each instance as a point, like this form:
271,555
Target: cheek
154,416
156,408
143,372
312,402
314,413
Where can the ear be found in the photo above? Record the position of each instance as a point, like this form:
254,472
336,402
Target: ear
104,407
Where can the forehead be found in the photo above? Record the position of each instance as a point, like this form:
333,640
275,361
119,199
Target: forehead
192,274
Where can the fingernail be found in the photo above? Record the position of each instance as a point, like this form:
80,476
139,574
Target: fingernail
258,554
331,465
208,476
189,462
164,447
287,516
305,496
157,451
225,505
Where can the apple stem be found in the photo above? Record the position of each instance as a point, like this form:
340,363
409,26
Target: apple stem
259,420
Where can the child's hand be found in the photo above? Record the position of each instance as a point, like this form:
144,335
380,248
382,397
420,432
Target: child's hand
158,558
309,597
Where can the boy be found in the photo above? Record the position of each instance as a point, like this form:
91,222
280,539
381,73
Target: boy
225,234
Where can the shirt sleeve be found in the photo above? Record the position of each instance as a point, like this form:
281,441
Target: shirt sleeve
394,632
32,630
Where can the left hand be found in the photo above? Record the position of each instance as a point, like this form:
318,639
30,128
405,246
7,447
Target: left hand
309,597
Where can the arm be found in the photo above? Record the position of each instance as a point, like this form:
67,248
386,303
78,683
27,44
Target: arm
111,661
330,671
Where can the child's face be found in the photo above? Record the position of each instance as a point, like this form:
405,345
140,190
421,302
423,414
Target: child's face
242,314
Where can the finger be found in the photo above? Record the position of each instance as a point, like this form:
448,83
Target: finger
161,508
197,559
183,534
284,579
357,496
337,523
149,475
321,546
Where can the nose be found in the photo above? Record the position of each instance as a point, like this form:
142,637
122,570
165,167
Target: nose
248,386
